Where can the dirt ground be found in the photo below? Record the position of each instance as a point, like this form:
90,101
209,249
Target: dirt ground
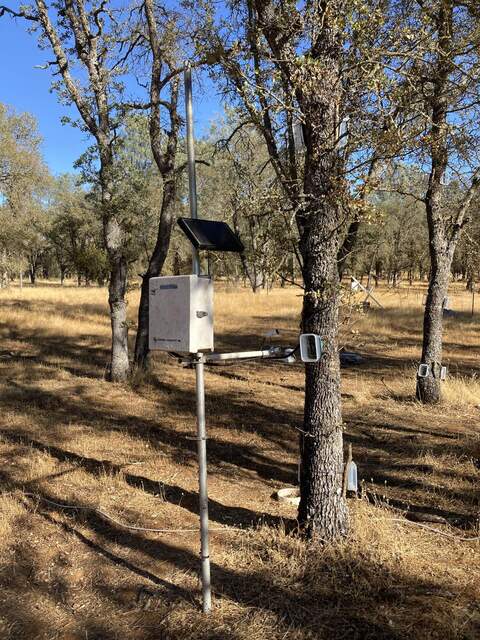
70,438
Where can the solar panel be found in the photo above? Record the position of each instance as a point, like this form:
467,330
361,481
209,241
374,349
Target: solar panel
210,235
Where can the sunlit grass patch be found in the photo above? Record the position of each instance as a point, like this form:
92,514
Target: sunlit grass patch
461,391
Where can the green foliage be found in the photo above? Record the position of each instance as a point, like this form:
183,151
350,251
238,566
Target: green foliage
24,182
75,232
241,188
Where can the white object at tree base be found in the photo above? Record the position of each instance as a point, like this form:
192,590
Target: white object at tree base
298,139
352,477
290,495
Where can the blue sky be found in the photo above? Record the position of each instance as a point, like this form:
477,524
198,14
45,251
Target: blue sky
28,89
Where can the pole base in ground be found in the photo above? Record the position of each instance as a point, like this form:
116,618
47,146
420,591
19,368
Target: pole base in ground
202,483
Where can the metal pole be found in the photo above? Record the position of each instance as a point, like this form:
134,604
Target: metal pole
192,176
199,362
202,476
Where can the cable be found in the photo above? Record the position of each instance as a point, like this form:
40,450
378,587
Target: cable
434,530
293,350
150,530
122,524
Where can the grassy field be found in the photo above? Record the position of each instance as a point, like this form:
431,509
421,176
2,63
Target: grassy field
69,437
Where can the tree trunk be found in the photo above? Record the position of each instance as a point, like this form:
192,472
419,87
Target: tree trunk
252,274
114,241
441,248
250,271
428,389
322,511
441,256
155,266
176,263
119,364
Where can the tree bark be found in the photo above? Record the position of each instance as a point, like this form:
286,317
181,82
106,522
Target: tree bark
322,511
119,364
441,247
428,389
86,28
441,256
165,161
155,266
316,83
114,244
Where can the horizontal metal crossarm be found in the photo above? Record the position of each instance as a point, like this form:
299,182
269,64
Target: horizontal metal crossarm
272,353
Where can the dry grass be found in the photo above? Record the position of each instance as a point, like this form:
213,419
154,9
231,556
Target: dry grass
69,436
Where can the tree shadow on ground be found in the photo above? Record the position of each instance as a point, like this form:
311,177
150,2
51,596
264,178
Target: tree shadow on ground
323,593
229,412
377,444
175,495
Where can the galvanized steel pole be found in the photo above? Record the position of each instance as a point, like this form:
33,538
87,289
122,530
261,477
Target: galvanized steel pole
202,477
199,364
192,176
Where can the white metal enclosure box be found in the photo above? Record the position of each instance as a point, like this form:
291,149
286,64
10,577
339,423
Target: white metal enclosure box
181,313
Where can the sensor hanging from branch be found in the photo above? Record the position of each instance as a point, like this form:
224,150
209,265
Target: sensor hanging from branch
298,138
343,133
350,475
